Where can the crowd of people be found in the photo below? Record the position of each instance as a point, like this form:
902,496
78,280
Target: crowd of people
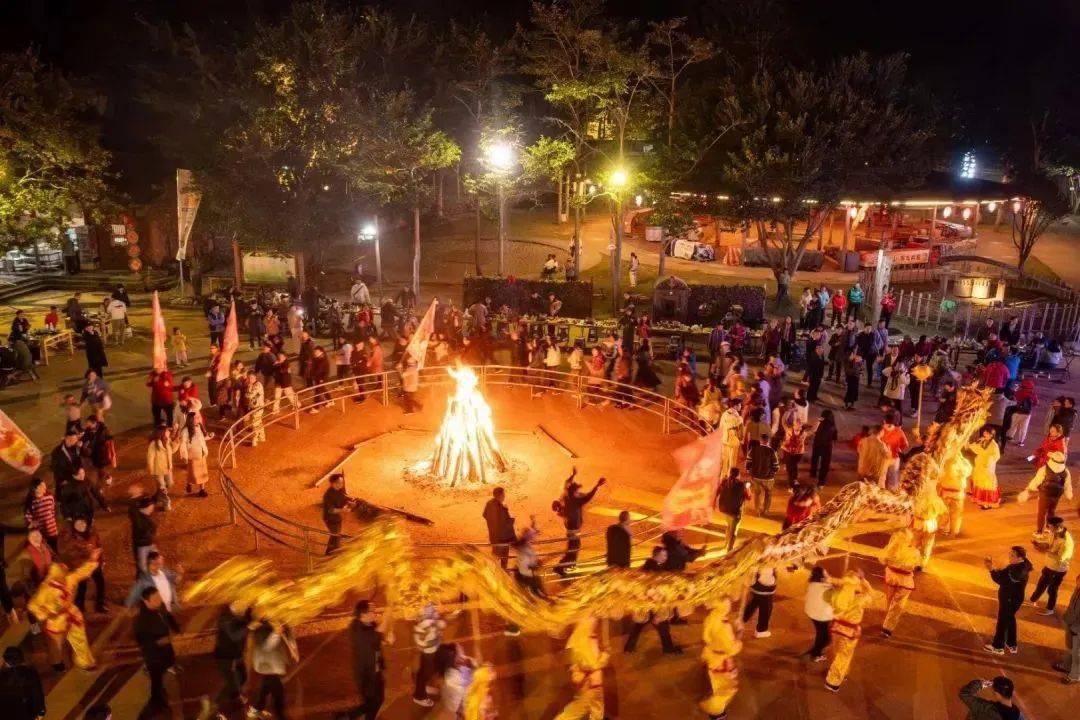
769,419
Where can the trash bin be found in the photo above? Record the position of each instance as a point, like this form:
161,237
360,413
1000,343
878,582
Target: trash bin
851,261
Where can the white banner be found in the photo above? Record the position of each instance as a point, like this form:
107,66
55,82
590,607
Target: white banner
187,205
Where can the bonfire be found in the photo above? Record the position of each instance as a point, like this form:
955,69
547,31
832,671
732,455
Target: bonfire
466,452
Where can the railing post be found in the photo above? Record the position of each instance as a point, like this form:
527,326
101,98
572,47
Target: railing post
667,415
296,413
385,389
580,392
1042,320
307,549
232,453
900,303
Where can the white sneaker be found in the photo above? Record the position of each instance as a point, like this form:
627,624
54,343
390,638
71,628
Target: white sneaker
762,634
424,702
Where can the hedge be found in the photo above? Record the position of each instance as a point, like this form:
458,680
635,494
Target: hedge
709,303
755,257
576,296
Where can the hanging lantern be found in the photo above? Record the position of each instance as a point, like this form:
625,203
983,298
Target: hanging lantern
992,207
966,213
946,211
853,212
1016,206
639,200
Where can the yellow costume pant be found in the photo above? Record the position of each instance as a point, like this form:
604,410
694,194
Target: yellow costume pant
896,598
843,652
955,504
75,633
725,683
588,704
925,542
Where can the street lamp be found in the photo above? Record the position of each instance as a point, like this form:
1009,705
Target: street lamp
501,157
370,233
617,181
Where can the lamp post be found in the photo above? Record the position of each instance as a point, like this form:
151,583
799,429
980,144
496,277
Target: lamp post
617,181
370,233
922,373
500,156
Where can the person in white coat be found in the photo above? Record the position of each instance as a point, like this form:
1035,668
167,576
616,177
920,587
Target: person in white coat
194,450
820,612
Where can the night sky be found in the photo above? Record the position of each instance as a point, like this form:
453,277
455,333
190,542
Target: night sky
975,56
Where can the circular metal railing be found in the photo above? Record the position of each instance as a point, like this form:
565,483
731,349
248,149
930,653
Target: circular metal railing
311,540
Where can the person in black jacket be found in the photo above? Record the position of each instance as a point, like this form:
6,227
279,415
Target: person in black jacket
617,540
730,497
500,526
1012,585
77,498
153,632
65,460
143,530
821,455
761,465
334,503
815,371
229,646
21,693
655,564
679,554
368,662
96,359
571,506
264,365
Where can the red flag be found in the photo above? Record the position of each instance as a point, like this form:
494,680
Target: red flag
417,347
16,449
690,500
229,343
161,362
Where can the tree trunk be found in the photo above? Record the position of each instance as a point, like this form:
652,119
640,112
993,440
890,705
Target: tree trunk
559,199
663,255
439,192
577,229
416,251
616,260
476,239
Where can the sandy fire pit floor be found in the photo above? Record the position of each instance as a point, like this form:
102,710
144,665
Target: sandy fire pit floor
543,438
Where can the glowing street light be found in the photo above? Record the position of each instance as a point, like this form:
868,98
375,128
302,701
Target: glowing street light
369,232
500,156
618,179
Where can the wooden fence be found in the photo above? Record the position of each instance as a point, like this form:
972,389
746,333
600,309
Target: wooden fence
923,311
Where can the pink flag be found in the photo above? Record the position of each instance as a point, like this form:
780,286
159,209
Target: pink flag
417,347
161,362
16,449
229,343
690,499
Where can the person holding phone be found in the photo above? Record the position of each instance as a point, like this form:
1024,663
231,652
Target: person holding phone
1002,706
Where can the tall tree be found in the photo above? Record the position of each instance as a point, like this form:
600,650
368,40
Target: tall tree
673,51
808,137
51,162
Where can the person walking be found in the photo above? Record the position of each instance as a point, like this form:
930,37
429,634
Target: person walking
760,600
849,598
410,384
256,399
1071,620
853,369
1001,707
803,503
874,458
272,649
730,497
99,448
194,450
761,465
1026,401
1059,553
1052,481
143,531
158,576
159,464
793,447
900,558
815,372
500,526
366,636
825,437
427,636
617,542
1012,584
655,564
984,484
215,321
819,610
96,359
39,509
334,503
162,397
230,642
572,505
81,544
896,440
154,627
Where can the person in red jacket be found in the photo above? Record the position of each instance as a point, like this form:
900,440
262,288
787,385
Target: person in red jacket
995,375
1053,442
162,397
839,304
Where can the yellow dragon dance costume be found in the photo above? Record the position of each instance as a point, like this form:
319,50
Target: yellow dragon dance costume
54,606
722,644
587,662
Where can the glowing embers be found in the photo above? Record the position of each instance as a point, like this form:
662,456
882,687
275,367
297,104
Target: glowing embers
466,452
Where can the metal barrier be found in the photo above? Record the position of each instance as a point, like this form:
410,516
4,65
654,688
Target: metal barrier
311,540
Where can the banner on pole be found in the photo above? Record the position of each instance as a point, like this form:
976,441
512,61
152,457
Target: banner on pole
187,205
230,342
16,449
160,358
418,343
690,500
